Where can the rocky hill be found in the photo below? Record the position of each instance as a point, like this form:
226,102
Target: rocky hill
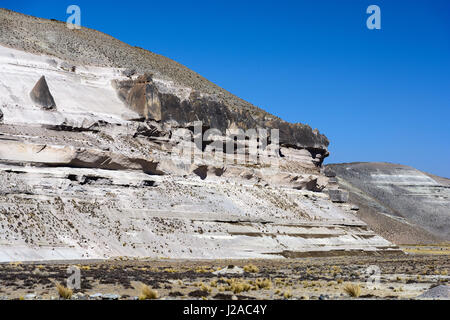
108,150
90,47
400,203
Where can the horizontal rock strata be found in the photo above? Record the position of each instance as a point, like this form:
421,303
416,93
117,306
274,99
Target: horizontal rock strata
143,163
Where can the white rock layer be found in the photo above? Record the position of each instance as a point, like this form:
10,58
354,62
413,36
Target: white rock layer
81,182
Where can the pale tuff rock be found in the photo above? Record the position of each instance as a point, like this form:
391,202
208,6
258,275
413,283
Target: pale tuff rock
184,95
41,95
229,270
108,175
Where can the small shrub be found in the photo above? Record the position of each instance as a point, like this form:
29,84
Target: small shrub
251,268
205,287
64,293
264,283
203,270
148,294
353,290
287,295
237,286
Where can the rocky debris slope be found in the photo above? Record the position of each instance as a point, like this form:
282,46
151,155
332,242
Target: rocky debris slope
132,163
400,203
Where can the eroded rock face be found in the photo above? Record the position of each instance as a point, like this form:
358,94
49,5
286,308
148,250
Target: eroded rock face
105,175
141,96
41,95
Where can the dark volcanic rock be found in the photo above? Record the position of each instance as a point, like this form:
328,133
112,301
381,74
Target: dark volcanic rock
41,95
142,96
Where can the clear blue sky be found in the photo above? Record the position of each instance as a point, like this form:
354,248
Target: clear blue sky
380,95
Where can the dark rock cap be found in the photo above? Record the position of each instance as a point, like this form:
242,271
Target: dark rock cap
41,95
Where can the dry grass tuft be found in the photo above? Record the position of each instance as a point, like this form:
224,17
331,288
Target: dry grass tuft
264,283
203,270
64,293
147,293
287,295
250,268
353,290
237,286
205,287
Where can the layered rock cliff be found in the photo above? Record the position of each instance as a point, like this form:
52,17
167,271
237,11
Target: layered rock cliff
108,150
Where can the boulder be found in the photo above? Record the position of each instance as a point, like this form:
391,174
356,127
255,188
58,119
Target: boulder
229,270
41,95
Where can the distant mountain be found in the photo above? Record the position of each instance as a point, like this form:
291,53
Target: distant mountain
399,202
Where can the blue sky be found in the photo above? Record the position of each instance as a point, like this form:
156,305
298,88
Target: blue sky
378,95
